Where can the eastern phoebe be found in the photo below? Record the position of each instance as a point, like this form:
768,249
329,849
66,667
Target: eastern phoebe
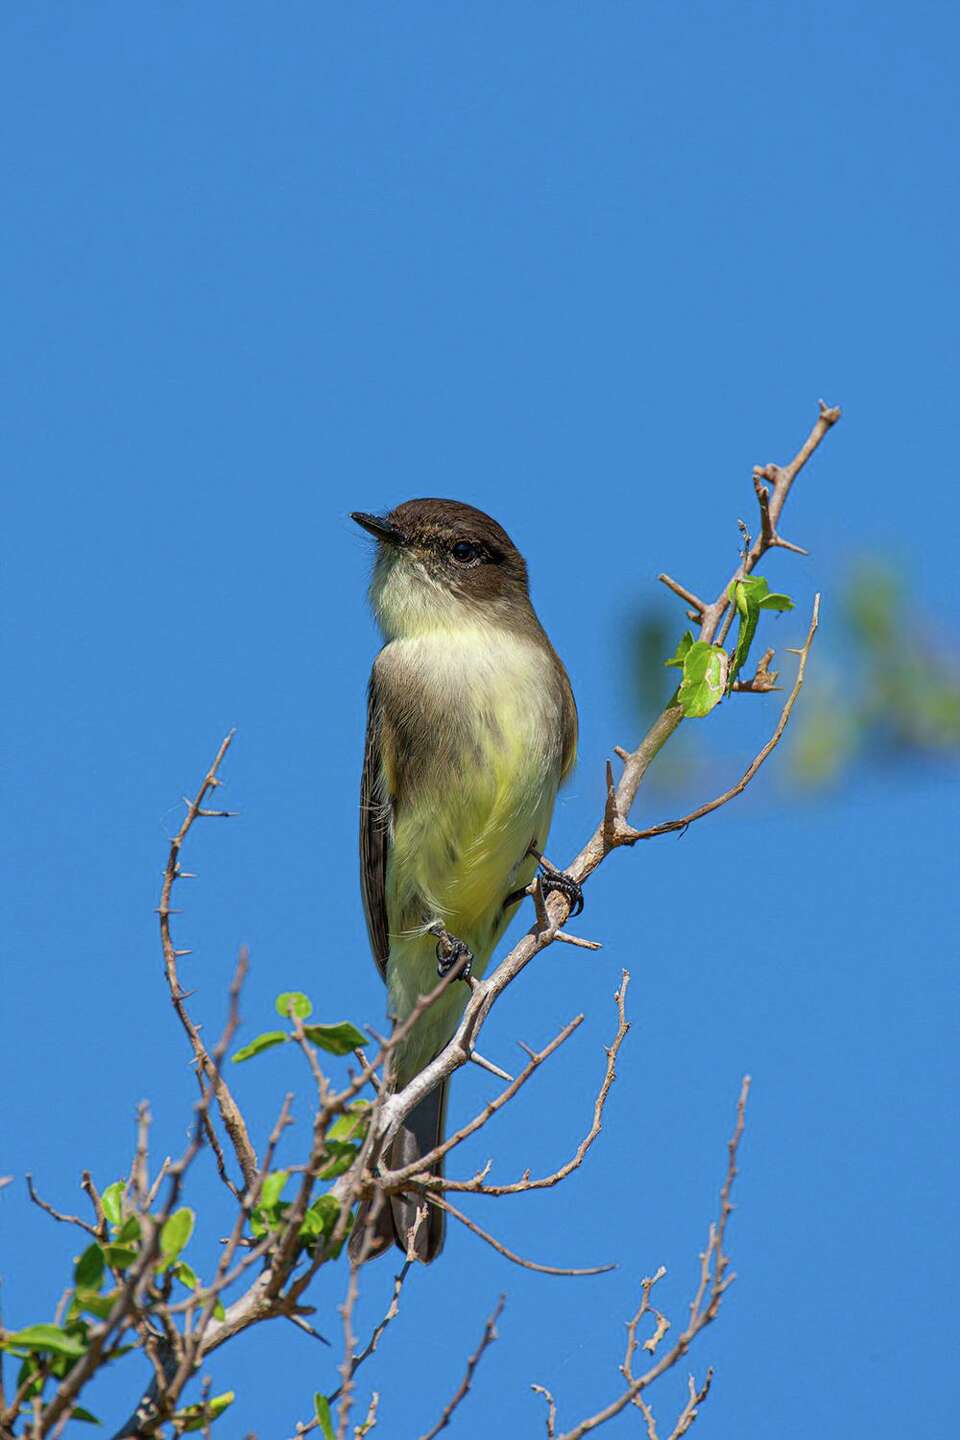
471,728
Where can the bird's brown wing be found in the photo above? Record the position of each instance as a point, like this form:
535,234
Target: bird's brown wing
376,822
569,727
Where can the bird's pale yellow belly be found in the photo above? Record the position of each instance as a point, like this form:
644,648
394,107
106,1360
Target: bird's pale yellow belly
463,846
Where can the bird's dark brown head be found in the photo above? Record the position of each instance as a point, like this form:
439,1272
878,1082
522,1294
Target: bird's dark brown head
435,556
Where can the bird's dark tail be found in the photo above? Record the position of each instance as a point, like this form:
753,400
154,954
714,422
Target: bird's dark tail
372,1234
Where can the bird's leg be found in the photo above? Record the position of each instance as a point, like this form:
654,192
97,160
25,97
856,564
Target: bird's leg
551,879
554,880
451,952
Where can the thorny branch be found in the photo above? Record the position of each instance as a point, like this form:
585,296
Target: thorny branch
487,1339
613,830
233,1120
280,1282
665,827
715,1279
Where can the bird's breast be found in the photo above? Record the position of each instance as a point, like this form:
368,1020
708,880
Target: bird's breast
472,755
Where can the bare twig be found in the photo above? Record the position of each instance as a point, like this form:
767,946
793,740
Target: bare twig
551,1409
460,1394
57,1214
393,1309
501,1249
692,600
395,1179
478,1186
370,1419
714,1280
230,1114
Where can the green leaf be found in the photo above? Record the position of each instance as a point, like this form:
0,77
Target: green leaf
130,1230
352,1124
273,1188
261,1043
48,1338
321,1410
195,1417
218,1312
749,595
185,1274
748,607
120,1256
296,1001
342,1156
263,1219
704,679
89,1268
319,1223
325,1211
678,656
776,602
312,1227
78,1413
112,1200
338,1039
748,590
94,1302
176,1232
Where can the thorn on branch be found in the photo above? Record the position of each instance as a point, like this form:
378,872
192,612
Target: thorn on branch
692,600
768,533
578,940
764,679
485,1064
763,500
789,545
616,831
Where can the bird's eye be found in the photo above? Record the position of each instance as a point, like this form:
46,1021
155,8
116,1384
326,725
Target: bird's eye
465,551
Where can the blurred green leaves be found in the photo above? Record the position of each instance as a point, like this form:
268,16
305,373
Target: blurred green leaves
885,688
321,1411
197,1417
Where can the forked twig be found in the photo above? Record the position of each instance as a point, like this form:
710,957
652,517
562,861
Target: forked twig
460,1394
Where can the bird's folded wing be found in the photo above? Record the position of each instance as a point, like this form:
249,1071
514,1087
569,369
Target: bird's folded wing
376,818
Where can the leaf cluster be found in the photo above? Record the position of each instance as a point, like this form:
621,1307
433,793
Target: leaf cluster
341,1038
49,1351
709,671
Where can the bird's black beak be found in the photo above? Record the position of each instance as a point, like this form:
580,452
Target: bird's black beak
381,529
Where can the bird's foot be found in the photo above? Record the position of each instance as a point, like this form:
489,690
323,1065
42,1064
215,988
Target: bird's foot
451,952
554,881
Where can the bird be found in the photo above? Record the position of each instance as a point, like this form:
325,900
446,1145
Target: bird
471,730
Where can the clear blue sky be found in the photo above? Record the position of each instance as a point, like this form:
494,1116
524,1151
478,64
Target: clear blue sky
582,266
